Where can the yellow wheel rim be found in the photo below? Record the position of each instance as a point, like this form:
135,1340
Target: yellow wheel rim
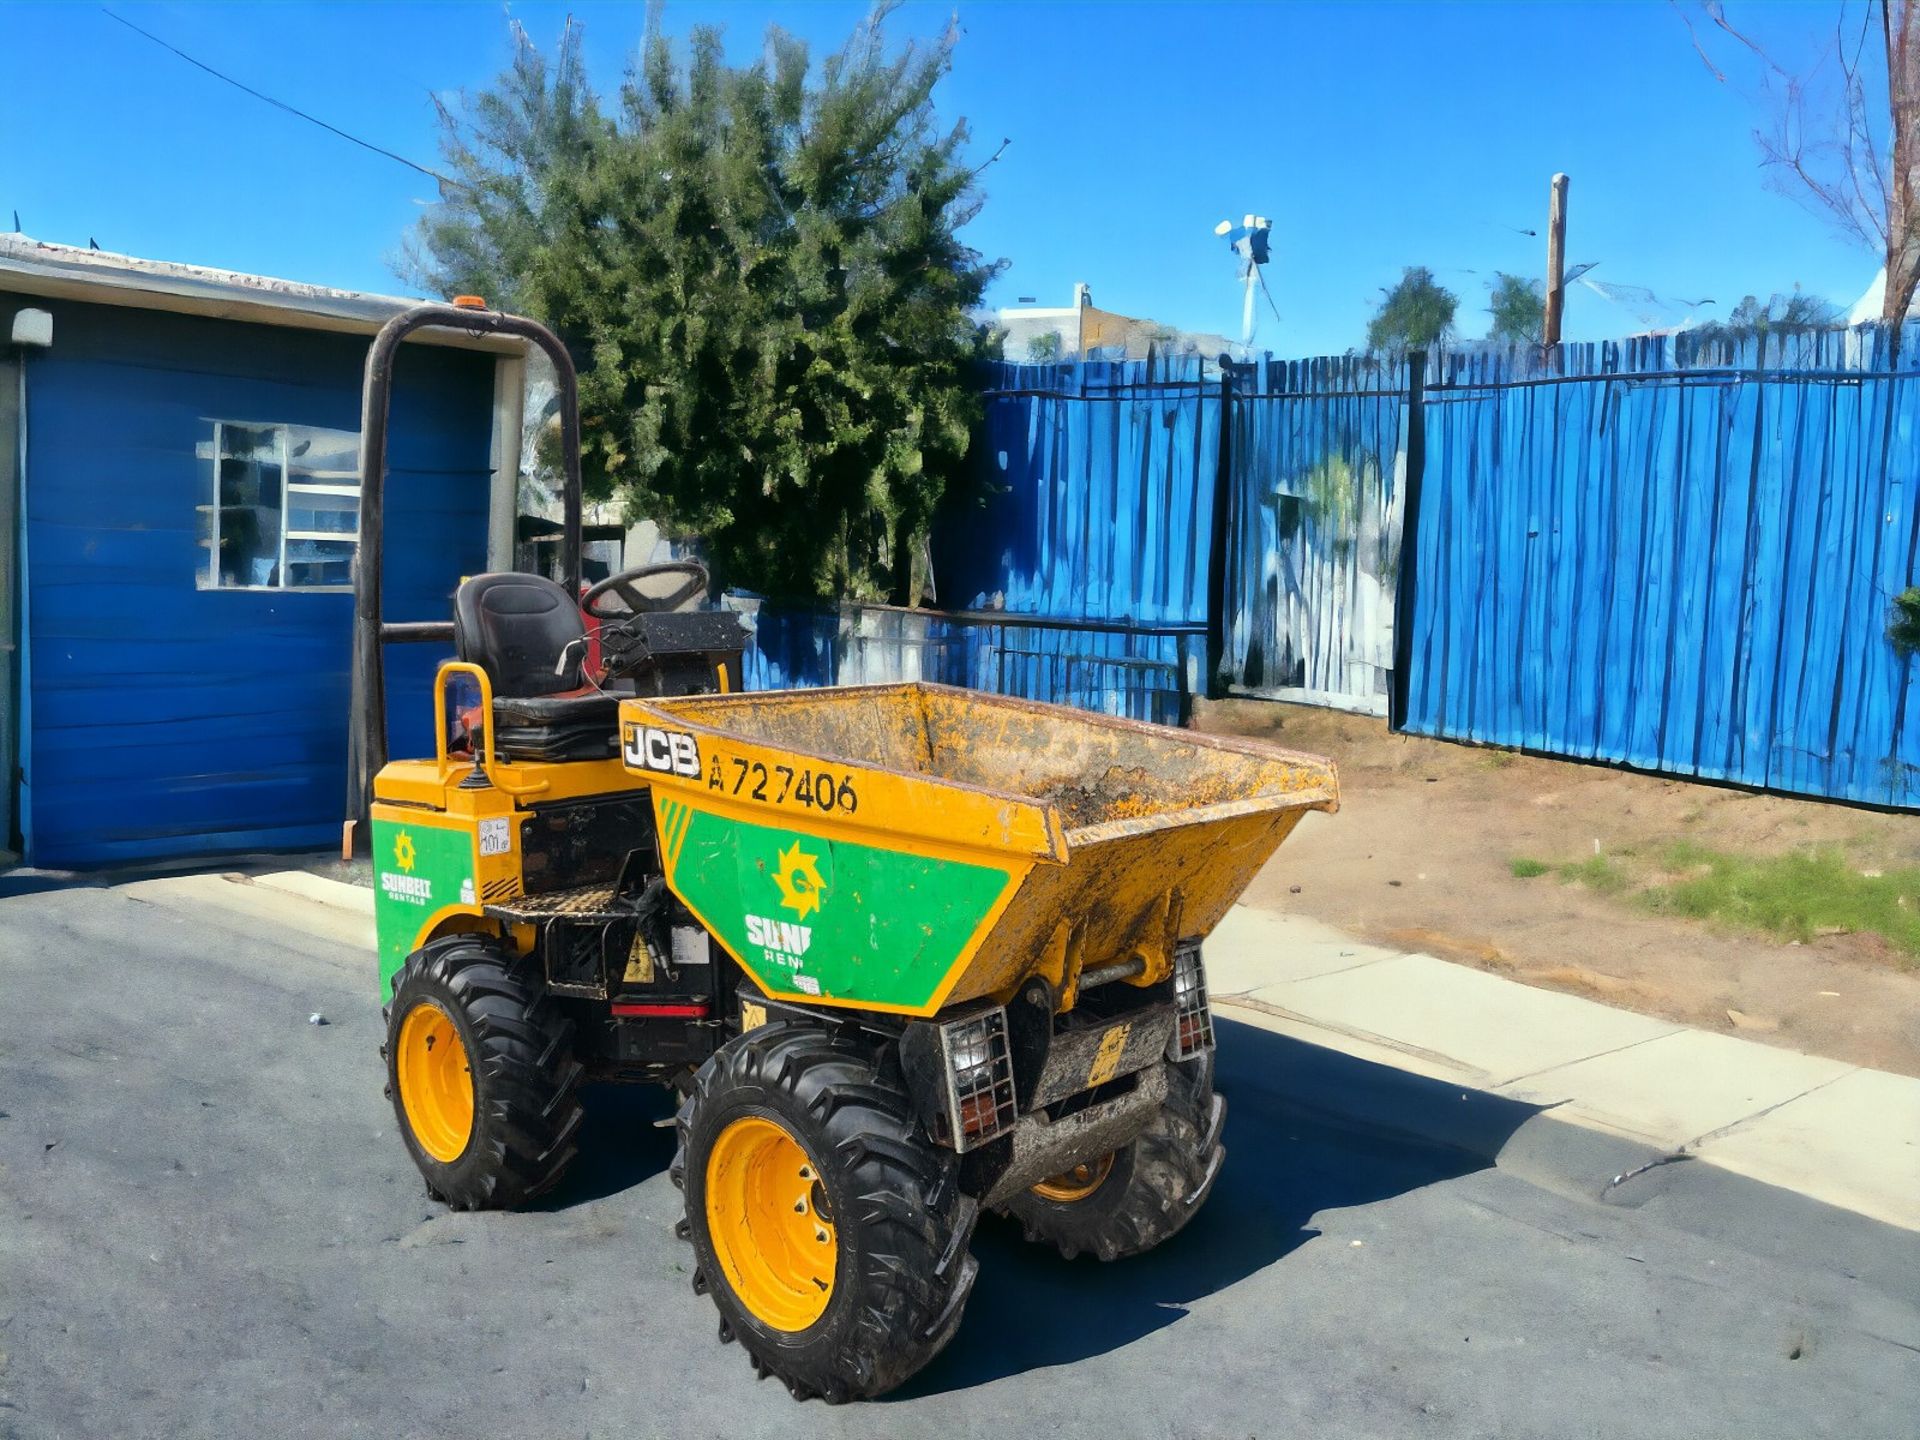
436,1085
770,1223
1078,1183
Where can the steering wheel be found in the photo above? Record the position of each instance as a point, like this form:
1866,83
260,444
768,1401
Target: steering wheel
626,585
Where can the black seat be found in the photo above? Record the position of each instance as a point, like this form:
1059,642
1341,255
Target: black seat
516,628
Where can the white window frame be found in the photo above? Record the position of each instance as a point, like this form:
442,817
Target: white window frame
319,482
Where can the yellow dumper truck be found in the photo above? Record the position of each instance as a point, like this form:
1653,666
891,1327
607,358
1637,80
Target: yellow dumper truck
903,951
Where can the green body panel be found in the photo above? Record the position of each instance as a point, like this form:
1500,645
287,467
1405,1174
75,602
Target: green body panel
418,871
827,918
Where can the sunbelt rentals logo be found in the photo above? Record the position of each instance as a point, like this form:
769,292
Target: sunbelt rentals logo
401,883
802,890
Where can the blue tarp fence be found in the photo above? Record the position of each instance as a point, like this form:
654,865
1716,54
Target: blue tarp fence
1075,566
1676,553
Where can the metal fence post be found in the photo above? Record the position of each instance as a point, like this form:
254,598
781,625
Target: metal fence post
1407,578
1217,559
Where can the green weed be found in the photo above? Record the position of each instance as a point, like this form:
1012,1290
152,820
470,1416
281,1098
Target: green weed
1525,869
1596,873
1794,896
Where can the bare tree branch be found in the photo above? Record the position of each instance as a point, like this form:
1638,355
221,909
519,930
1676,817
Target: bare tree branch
1719,17
1698,48
1823,142
1834,145
1903,217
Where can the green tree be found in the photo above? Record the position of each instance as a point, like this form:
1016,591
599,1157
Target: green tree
1794,310
509,145
759,271
1518,307
1043,348
1416,313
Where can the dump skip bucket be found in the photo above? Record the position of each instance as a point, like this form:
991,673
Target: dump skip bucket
910,847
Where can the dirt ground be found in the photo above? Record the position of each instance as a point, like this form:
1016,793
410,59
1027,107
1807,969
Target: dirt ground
1418,857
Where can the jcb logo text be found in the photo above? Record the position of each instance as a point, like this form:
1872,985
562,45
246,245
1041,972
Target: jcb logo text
672,752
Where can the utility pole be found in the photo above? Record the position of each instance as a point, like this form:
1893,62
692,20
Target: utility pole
1556,261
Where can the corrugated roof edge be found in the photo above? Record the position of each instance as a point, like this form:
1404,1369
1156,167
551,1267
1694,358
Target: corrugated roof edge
47,270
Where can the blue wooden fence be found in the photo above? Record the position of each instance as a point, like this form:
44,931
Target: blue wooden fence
1670,553
1141,674
1094,494
1075,565
1674,555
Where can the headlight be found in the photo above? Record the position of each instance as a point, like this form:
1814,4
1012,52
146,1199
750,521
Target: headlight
1193,1025
981,1101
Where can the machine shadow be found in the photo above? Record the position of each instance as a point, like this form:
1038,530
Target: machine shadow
621,1144
1030,1309
1309,1130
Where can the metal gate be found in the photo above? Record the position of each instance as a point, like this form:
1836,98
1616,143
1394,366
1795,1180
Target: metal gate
1316,478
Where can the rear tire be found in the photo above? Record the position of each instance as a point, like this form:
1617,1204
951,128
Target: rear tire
791,1135
1144,1193
470,1038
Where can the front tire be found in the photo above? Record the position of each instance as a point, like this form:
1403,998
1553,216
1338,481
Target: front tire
1143,1194
481,1072
831,1234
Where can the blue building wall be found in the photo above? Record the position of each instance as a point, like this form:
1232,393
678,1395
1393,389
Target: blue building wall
160,719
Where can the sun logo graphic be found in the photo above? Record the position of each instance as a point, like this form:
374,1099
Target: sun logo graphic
400,883
798,877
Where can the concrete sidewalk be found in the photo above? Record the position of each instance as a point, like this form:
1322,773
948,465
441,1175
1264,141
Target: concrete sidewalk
1838,1133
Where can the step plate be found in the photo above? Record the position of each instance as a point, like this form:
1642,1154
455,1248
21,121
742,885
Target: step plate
589,902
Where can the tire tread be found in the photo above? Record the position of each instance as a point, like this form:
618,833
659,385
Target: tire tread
900,1211
1158,1183
527,1114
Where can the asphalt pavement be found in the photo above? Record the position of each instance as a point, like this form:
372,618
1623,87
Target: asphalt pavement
208,1227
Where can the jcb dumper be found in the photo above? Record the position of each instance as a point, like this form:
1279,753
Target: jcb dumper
903,951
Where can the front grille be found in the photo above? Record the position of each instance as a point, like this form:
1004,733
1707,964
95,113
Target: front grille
979,1069
1193,1019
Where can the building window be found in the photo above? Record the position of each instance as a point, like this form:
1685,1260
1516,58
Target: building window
285,507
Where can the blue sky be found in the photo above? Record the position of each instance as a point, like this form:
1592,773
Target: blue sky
1375,136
